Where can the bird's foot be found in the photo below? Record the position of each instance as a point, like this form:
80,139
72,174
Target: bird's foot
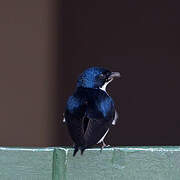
104,145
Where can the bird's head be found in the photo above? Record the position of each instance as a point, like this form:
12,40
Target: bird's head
96,77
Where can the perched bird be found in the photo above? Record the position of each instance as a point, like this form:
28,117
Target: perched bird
90,111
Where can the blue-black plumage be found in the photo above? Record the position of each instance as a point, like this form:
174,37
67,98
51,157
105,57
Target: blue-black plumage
90,111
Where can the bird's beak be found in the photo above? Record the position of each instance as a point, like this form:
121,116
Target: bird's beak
114,75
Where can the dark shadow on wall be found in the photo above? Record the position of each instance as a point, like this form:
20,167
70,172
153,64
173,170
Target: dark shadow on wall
141,40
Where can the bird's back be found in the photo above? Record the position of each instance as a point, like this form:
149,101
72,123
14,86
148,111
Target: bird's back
89,114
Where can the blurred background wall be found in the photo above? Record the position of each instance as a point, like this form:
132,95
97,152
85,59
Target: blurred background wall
30,72
46,44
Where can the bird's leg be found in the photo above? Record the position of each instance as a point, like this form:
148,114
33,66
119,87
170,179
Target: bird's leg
104,145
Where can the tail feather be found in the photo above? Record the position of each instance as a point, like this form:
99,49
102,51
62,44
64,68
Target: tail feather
82,150
75,150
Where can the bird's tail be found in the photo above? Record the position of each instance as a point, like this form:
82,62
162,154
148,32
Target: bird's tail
76,149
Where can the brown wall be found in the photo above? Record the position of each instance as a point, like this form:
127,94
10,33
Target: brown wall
28,72
44,46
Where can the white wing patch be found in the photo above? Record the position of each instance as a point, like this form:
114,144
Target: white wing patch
64,120
101,140
115,118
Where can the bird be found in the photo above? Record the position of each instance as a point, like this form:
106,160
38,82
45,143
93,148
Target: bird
90,110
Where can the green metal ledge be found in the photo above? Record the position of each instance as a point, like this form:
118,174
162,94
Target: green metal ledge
120,163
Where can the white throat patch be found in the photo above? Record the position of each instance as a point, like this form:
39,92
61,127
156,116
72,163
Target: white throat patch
105,85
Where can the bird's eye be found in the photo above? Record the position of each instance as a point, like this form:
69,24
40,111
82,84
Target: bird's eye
101,76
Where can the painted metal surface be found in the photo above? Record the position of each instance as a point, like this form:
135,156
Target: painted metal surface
133,163
26,164
122,163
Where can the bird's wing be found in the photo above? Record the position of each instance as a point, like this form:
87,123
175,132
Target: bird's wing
85,123
74,116
100,120
96,129
76,130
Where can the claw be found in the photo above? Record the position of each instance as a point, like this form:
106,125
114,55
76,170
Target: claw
104,146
